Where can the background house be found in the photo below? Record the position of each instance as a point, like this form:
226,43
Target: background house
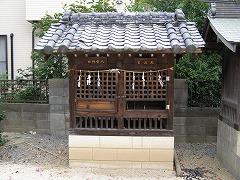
222,34
16,37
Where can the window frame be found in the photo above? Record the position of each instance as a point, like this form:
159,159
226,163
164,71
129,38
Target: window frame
6,51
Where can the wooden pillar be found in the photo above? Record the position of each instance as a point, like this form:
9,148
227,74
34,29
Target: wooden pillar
72,91
121,100
170,90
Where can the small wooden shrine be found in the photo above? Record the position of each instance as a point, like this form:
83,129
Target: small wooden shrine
121,84
121,69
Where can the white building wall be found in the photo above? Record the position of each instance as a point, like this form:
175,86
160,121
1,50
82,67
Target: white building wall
36,9
13,20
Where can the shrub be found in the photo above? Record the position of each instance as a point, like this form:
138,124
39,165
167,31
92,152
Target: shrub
55,67
28,93
203,77
2,116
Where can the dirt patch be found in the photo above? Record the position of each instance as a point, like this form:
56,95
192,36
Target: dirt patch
199,161
37,156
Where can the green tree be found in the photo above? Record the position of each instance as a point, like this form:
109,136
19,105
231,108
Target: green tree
41,27
203,78
194,10
54,67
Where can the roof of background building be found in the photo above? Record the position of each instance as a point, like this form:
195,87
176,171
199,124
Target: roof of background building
224,18
225,9
117,32
228,28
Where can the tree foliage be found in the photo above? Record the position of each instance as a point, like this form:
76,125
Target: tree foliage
194,10
203,67
54,67
41,27
203,78
153,5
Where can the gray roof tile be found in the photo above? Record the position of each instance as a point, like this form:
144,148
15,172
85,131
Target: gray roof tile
225,9
102,32
228,28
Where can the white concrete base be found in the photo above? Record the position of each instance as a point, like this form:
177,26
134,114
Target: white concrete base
121,152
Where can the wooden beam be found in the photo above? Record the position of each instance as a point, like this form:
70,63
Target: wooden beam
120,132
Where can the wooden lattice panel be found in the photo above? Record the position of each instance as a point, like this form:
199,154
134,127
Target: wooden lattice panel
96,122
96,85
146,85
145,123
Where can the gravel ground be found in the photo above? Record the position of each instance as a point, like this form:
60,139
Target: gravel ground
38,156
199,161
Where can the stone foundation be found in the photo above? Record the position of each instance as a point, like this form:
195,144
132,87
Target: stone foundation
121,152
228,148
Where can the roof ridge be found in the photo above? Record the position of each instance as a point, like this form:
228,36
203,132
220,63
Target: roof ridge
221,9
123,17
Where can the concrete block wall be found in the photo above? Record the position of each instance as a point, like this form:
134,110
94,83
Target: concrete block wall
23,117
228,148
121,152
192,124
180,110
52,118
59,106
202,125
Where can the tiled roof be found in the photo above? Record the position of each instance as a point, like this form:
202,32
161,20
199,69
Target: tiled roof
116,32
228,28
225,9
224,18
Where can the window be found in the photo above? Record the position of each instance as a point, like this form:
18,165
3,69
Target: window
3,54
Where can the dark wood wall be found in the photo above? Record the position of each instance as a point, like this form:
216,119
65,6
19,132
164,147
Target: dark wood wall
117,106
127,61
230,106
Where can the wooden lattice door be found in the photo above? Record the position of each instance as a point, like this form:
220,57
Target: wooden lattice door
122,100
147,100
96,105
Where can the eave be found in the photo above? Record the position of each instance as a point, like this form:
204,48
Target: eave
230,45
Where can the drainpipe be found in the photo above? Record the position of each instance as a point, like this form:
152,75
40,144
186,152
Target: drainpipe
12,69
33,43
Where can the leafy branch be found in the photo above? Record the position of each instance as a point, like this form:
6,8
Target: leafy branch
203,78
